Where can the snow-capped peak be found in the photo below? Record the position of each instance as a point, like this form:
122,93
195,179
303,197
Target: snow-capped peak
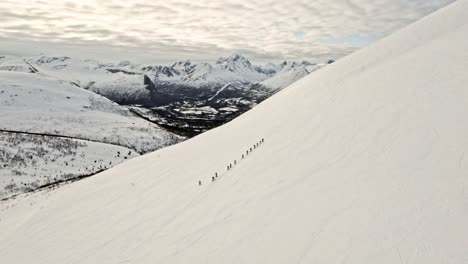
183,67
184,63
234,62
290,72
124,63
47,59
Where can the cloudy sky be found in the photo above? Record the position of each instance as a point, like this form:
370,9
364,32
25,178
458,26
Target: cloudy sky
169,30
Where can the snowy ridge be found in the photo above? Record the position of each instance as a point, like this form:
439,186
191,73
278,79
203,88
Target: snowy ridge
290,72
359,165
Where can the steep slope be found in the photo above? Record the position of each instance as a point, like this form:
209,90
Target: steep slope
359,165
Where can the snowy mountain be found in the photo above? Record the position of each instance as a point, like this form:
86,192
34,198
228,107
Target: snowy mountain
289,73
114,81
358,165
51,130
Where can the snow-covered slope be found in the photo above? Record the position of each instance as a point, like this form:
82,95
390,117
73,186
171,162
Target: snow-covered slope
39,104
80,72
360,165
28,162
290,72
113,81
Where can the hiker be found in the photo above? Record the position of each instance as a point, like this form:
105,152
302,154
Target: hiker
199,183
216,174
235,162
242,155
212,179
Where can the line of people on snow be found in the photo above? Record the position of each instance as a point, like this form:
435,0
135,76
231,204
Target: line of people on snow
229,167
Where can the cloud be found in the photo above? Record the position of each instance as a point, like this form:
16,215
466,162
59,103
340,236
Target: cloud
264,29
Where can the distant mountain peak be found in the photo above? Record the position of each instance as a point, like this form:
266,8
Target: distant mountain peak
183,67
233,58
182,63
237,56
234,62
48,59
124,63
304,62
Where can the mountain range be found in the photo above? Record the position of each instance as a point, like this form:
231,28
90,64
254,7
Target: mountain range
186,98
124,81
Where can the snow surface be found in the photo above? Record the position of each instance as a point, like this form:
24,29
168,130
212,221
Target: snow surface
364,161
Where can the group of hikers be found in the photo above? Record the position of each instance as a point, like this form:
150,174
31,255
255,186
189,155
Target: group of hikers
229,167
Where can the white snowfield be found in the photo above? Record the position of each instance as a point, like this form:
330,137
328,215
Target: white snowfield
364,161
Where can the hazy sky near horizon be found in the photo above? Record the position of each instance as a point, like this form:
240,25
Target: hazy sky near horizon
164,31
